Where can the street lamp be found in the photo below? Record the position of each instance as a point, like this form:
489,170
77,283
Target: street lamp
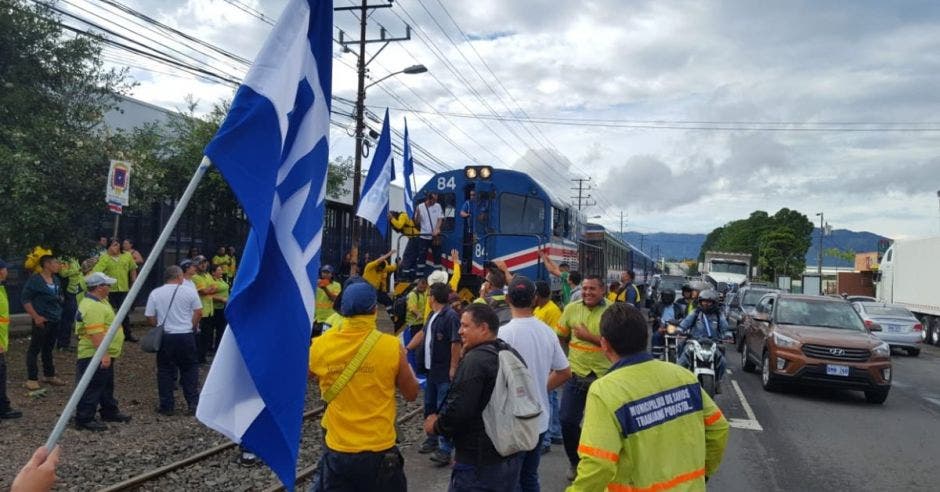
360,130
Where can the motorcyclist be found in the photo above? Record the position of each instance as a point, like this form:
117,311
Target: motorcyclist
662,314
706,322
682,307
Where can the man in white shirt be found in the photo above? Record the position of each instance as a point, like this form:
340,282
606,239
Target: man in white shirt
429,216
539,347
178,309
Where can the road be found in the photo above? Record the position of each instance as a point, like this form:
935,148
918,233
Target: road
803,439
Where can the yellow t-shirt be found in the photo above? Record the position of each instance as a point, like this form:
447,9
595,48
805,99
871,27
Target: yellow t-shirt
119,268
324,305
585,357
378,279
202,281
222,289
549,314
4,319
362,417
95,316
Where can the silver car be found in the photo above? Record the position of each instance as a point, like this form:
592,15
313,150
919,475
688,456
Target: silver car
898,326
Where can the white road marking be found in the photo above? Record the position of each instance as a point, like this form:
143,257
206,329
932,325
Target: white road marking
728,371
934,400
750,423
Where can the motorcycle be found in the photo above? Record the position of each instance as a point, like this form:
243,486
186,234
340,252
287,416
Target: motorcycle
669,351
702,355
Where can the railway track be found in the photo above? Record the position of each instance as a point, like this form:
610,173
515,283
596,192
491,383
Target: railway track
155,474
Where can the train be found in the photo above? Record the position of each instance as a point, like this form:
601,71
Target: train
516,218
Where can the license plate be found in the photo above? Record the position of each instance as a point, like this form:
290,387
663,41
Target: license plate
834,370
894,328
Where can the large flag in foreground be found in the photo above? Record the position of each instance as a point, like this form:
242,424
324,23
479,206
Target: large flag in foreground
272,149
374,203
409,171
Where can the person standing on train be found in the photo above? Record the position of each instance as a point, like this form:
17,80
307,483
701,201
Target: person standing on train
429,216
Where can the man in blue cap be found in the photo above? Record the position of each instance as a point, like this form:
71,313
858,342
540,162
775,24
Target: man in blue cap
359,421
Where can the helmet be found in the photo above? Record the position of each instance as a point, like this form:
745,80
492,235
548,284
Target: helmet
709,295
668,296
686,287
701,286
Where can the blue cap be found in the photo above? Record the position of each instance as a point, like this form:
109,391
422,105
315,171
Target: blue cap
3,264
326,268
358,298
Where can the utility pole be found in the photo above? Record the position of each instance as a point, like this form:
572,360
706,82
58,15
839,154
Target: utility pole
621,224
822,231
581,188
938,199
362,65
642,237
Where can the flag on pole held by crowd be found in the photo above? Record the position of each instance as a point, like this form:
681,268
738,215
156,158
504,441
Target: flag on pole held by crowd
373,206
409,171
273,151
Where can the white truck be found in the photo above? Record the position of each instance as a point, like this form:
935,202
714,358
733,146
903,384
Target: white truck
908,275
730,268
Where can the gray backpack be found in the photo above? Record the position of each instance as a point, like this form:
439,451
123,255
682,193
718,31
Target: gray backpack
511,416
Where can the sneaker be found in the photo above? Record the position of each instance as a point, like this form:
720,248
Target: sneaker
440,458
10,414
428,447
131,339
91,425
116,417
53,381
32,385
247,459
572,473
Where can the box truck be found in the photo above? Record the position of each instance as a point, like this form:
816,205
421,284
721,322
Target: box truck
908,275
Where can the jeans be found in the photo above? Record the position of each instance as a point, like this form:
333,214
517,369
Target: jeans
434,394
407,334
554,424
176,360
529,472
99,394
41,341
571,412
360,472
116,299
4,401
67,324
498,477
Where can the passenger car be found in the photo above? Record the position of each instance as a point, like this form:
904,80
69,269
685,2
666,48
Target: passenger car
899,327
741,306
815,340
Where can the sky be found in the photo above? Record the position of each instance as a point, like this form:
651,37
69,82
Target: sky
685,115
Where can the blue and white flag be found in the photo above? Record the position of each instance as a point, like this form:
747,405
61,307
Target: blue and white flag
409,171
273,151
373,206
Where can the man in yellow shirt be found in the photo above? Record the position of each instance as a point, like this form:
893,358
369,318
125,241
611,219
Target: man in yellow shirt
6,412
359,421
94,318
580,326
206,287
376,274
327,290
549,313
121,267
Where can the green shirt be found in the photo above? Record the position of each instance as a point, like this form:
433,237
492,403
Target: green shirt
416,302
324,306
222,289
72,272
4,319
565,289
585,357
203,281
95,316
119,268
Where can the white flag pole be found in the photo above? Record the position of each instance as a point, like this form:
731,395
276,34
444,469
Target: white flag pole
126,305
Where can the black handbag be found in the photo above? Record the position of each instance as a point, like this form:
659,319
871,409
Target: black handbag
152,340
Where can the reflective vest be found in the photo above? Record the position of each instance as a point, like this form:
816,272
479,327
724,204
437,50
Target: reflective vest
648,426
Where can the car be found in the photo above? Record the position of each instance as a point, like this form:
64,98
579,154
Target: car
815,340
669,282
899,327
860,299
741,306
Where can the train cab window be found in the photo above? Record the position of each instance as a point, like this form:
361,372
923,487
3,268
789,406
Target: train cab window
448,203
521,214
559,222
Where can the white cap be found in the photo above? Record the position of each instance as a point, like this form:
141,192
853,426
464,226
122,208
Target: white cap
98,278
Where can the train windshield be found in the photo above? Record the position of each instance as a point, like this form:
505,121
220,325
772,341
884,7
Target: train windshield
521,214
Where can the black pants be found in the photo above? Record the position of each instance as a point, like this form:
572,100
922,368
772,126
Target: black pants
382,471
176,361
205,337
571,413
116,299
4,401
220,323
423,246
41,342
67,325
99,394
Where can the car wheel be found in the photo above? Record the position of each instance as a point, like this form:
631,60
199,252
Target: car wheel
934,334
746,364
913,352
741,343
766,375
708,384
876,396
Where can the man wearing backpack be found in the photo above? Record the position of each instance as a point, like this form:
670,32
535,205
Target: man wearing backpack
440,343
641,411
478,465
541,351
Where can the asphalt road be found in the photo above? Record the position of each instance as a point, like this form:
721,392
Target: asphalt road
802,439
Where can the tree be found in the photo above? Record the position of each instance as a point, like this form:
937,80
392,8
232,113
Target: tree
338,175
54,95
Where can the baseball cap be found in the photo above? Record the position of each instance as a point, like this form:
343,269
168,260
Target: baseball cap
358,298
199,259
326,268
98,278
521,292
186,263
3,264
438,277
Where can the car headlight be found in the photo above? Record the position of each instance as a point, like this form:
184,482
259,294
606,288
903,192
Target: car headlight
784,341
882,350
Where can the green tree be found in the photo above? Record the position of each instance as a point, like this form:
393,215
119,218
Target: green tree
338,174
53,97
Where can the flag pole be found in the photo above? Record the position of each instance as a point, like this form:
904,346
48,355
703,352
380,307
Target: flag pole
126,305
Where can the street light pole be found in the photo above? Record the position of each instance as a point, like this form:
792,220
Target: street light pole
938,204
822,230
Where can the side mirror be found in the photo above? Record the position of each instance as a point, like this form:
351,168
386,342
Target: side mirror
874,327
761,317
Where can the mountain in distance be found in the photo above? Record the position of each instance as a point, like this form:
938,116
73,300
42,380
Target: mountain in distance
682,246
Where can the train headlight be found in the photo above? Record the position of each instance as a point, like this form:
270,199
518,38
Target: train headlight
486,172
471,172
